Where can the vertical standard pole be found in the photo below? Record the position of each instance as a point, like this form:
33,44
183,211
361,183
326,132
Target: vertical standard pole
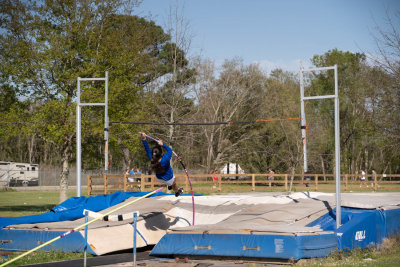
303,120
134,237
337,152
106,123
337,132
78,128
78,139
86,234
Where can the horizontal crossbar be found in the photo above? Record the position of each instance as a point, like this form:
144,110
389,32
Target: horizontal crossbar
199,123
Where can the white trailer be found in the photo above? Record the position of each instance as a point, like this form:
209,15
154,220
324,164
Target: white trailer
232,168
18,174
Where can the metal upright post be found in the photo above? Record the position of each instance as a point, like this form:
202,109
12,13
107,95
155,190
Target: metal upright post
303,119
337,153
78,139
106,124
86,235
337,130
79,105
135,214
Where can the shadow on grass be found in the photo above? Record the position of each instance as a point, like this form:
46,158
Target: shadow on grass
28,208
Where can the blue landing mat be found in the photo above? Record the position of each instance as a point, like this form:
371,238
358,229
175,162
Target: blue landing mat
360,228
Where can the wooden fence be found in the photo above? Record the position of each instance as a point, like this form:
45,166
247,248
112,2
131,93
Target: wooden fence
107,184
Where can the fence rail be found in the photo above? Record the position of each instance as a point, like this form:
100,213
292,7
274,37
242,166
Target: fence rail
106,184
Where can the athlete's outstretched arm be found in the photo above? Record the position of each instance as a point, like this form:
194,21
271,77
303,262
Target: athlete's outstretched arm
167,155
146,146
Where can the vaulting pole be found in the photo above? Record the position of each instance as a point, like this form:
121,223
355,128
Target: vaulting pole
79,227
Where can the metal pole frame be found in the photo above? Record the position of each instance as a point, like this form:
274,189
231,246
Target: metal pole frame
86,237
337,131
79,106
135,215
303,120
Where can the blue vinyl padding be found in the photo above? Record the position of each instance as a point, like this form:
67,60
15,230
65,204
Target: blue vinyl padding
72,208
24,240
392,222
360,228
246,245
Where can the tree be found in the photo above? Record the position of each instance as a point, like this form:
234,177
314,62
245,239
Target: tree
135,62
278,144
46,46
387,59
173,103
234,95
362,90
351,99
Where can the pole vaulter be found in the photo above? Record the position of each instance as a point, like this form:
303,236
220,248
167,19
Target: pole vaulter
198,124
186,172
79,227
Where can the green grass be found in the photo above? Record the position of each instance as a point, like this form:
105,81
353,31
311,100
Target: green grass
386,254
21,203
40,257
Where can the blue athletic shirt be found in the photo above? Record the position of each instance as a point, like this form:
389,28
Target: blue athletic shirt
165,161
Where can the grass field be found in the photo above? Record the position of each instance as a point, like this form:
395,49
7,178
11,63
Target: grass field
39,257
20,203
387,254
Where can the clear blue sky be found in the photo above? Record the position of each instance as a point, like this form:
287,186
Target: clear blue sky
276,33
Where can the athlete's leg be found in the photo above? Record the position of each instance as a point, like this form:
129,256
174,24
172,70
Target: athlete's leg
176,189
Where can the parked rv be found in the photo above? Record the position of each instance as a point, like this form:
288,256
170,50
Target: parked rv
18,174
